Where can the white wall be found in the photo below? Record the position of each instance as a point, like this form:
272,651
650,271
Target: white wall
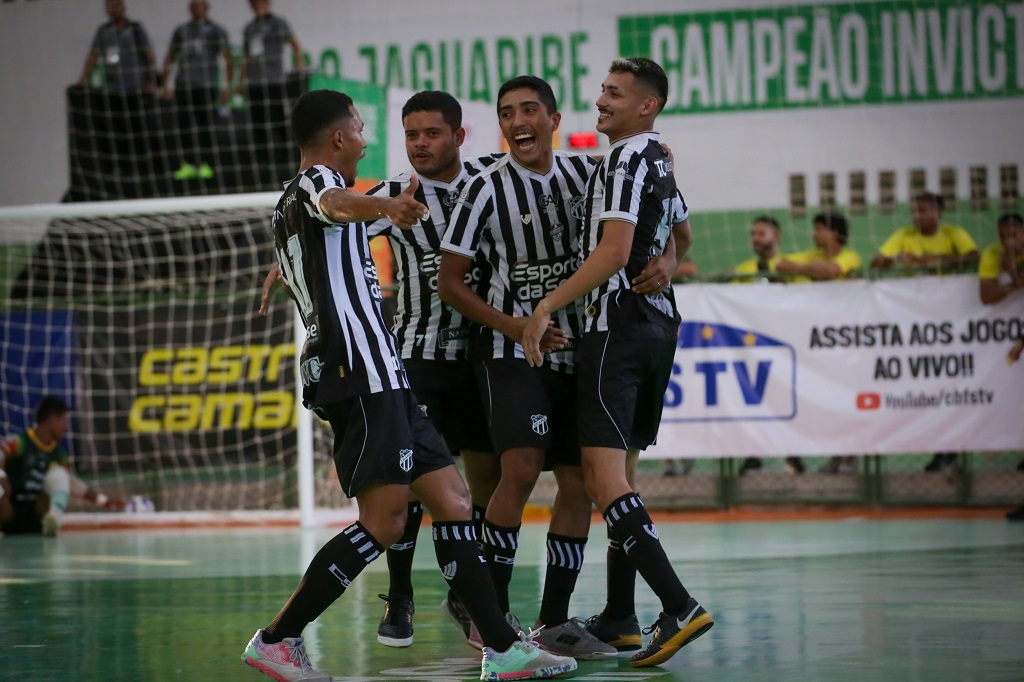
732,159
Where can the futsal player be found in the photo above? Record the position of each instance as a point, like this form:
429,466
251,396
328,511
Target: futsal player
633,212
433,338
522,217
354,378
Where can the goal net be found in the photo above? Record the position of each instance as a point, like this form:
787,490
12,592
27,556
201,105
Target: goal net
143,316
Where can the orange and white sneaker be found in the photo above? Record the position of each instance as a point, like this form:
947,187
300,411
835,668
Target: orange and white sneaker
285,661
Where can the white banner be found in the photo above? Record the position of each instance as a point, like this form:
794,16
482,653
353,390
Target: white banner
835,368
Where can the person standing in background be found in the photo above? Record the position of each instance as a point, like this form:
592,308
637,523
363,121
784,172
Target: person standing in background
263,77
122,137
195,49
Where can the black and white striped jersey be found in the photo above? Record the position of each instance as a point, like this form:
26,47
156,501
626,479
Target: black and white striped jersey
426,327
634,183
526,227
349,349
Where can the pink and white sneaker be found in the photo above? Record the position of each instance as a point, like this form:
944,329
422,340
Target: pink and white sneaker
285,661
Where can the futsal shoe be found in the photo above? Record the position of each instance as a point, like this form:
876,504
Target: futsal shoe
457,613
285,661
51,524
524,660
621,633
395,627
572,639
671,633
186,172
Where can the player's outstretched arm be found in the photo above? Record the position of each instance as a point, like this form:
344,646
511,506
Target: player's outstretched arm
346,206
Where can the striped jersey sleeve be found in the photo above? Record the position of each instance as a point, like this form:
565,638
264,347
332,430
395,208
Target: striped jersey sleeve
349,349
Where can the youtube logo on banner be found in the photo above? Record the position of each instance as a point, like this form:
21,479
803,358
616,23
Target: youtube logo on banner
869,401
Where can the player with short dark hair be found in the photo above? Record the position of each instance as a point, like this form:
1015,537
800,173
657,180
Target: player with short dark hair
521,216
353,377
433,337
634,214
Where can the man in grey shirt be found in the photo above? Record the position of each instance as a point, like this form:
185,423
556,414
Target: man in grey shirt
195,48
263,75
121,137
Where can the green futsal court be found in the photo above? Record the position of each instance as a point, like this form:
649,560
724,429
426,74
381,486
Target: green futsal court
809,600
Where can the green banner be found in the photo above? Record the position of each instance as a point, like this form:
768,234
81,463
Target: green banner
371,102
833,55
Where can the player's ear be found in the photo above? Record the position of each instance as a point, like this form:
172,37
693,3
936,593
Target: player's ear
556,118
648,107
460,136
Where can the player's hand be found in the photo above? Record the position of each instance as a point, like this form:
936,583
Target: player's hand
271,281
668,150
403,210
656,275
540,335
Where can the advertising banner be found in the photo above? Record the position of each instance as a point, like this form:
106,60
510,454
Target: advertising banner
834,368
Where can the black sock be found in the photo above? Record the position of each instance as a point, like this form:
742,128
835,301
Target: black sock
630,524
333,568
565,560
500,545
462,566
478,527
401,553
621,581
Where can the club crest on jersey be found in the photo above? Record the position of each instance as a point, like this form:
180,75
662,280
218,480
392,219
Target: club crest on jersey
450,199
578,207
405,460
540,423
310,370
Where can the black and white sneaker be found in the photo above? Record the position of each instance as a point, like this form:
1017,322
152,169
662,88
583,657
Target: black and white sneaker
672,633
395,627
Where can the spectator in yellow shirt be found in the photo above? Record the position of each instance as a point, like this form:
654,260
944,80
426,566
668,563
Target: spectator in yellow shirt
764,240
1001,270
830,258
928,242
765,233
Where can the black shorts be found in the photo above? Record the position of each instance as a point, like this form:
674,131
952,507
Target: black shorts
383,438
530,407
25,519
447,390
621,379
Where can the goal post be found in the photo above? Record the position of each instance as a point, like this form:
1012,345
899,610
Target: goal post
143,316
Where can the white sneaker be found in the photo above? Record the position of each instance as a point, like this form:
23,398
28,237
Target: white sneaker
571,638
523,660
285,661
51,525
